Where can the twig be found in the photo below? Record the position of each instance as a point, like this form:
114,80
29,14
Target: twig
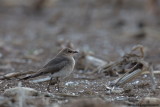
41,80
15,74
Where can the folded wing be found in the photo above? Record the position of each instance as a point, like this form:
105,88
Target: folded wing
52,66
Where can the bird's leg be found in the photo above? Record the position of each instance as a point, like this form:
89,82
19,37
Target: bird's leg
58,81
48,87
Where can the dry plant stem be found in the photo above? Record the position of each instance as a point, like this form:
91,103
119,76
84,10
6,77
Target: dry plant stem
41,80
154,72
141,48
153,79
94,63
15,74
136,70
121,61
89,62
127,78
21,96
46,79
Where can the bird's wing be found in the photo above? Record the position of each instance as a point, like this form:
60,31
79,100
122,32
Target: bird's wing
56,64
53,66
57,61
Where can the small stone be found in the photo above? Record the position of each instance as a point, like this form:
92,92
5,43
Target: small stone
18,91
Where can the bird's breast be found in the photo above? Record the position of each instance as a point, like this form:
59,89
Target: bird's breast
67,70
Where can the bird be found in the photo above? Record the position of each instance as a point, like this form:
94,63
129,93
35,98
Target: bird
60,67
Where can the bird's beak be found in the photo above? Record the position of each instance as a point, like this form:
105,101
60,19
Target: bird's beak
75,51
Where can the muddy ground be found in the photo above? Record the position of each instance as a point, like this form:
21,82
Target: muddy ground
31,34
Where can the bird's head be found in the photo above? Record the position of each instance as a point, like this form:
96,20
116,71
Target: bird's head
68,52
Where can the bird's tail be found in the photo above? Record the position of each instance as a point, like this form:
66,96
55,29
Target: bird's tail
40,72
